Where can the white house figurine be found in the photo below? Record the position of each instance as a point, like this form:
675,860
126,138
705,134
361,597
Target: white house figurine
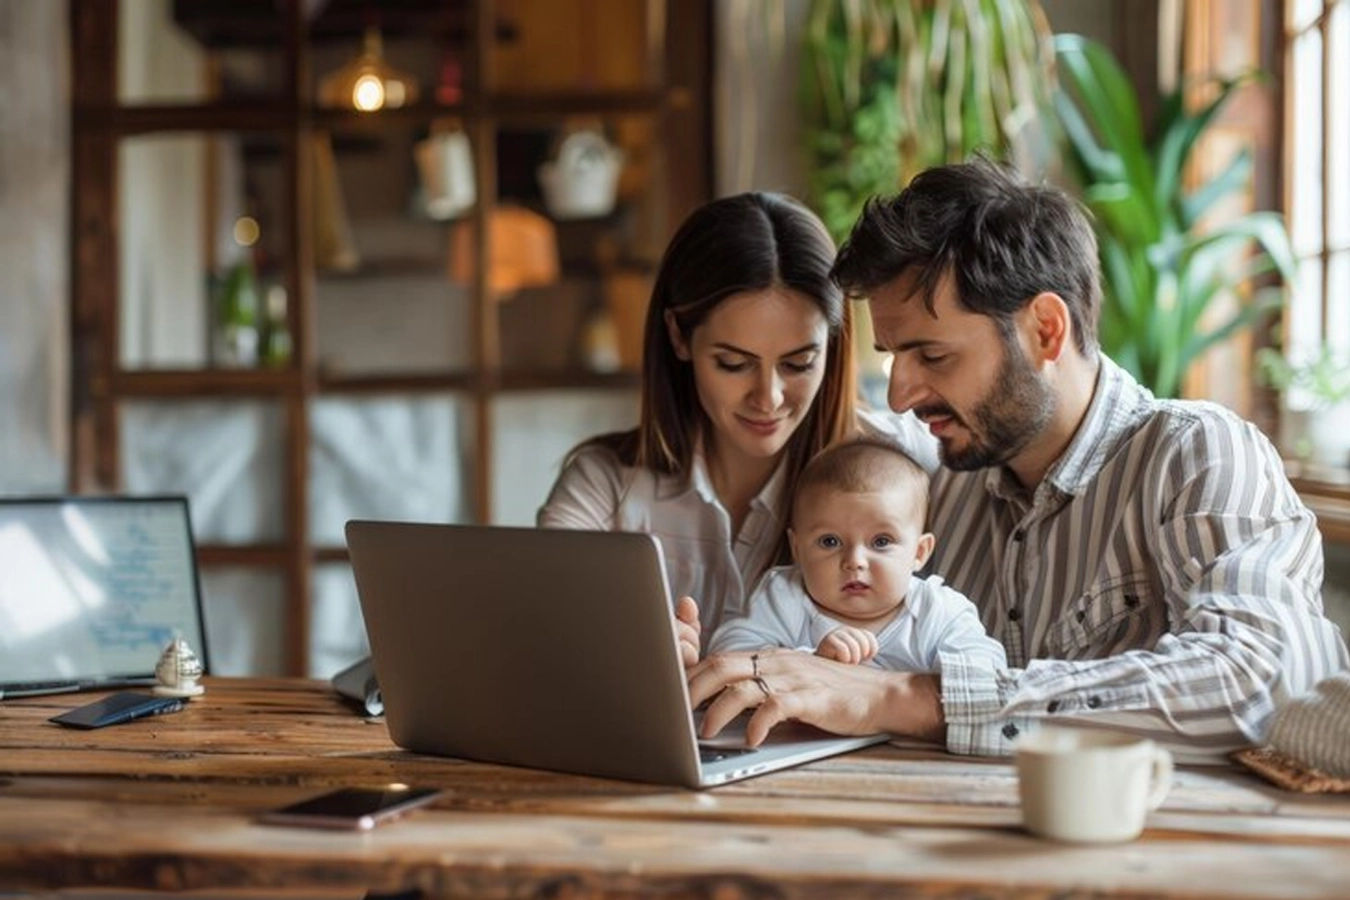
178,670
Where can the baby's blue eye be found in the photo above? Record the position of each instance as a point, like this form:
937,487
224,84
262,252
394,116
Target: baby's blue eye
828,542
882,541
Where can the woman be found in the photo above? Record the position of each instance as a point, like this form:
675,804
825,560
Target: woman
747,372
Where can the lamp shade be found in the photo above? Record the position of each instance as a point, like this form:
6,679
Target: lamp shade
522,250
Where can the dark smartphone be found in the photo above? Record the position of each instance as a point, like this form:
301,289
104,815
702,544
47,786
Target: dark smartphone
120,707
360,808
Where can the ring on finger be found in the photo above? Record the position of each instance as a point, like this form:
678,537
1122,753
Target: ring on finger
754,665
763,686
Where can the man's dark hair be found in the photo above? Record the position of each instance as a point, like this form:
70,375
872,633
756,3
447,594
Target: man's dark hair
1004,241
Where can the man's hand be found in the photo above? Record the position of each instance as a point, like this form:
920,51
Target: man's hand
688,628
844,699
847,644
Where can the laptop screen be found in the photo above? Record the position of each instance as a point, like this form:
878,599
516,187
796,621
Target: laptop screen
92,589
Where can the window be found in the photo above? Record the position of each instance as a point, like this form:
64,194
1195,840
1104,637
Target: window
1317,165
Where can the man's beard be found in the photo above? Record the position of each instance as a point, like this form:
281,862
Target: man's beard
1017,409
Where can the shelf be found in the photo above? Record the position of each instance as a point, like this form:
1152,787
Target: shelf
222,24
351,120
237,115
205,382
394,382
486,353
283,115
1327,493
405,267
552,380
268,555
514,380
533,107
503,107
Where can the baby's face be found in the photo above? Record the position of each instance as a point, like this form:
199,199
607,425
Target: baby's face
857,551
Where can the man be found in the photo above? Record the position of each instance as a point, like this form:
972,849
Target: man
1145,563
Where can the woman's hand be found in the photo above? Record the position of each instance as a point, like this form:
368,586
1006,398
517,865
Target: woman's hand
688,629
844,699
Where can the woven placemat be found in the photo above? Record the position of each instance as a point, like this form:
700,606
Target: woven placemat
1289,773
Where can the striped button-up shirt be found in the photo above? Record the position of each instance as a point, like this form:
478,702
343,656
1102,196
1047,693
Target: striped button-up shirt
1164,578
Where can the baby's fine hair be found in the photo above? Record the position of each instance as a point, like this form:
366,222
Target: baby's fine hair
863,464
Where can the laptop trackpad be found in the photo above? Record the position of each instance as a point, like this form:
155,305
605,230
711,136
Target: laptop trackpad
732,735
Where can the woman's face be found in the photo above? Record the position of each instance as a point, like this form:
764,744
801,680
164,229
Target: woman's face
759,360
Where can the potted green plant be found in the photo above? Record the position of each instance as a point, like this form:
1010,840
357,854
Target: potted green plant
1316,392
1163,266
892,87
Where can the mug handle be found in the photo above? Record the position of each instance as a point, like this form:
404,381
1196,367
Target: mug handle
1161,778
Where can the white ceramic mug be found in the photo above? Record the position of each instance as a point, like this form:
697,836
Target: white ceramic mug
1088,785
445,165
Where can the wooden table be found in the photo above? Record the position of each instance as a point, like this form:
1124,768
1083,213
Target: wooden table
168,803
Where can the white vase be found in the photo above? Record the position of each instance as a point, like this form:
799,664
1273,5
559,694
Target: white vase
1328,434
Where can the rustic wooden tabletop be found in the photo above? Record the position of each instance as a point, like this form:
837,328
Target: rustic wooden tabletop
170,803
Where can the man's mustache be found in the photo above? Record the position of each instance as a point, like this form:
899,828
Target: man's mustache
926,412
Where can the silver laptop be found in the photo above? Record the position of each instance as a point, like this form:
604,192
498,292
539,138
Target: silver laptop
92,589
541,648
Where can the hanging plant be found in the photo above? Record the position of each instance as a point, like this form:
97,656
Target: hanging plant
892,87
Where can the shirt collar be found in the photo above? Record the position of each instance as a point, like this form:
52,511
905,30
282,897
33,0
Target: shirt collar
1118,405
700,482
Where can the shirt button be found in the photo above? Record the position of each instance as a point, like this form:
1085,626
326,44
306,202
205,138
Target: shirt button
1053,706
1094,701
1019,534
1014,615
1080,615
1010,731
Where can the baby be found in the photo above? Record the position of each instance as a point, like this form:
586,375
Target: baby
857,537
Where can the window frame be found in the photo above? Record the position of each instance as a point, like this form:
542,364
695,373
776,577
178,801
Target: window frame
1317,251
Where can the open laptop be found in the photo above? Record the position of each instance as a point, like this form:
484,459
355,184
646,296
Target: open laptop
542,648
92,589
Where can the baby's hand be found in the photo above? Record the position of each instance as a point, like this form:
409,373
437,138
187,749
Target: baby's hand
847,644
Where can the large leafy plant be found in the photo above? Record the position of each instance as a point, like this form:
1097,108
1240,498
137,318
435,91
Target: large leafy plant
1163,262
892,87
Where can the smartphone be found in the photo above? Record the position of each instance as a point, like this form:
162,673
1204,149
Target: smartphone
359,808
120,707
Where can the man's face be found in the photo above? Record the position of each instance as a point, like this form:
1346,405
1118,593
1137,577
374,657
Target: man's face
978,393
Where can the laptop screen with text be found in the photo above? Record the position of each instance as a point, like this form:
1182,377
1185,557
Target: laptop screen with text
93,589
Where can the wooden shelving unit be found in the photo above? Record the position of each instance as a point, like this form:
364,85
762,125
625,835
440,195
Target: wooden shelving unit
675,97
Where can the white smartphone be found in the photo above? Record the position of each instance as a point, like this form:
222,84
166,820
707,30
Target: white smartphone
357,808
